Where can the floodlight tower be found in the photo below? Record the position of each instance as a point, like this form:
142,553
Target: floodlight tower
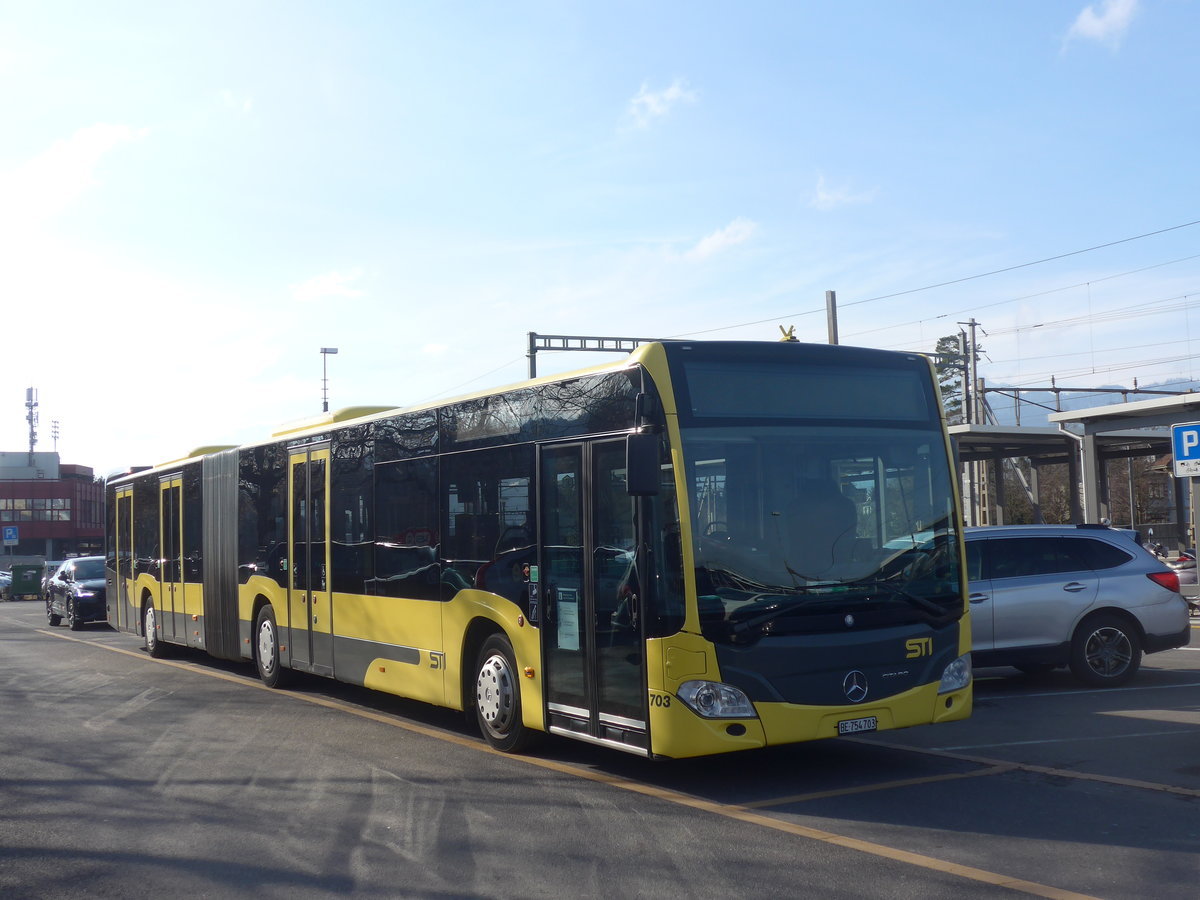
325,352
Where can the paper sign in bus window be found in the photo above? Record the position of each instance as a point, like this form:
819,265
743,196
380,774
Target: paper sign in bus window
567,607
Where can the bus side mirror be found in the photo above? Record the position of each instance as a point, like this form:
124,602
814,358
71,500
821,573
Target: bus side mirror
641,464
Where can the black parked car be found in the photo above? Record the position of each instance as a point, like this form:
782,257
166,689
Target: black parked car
75,592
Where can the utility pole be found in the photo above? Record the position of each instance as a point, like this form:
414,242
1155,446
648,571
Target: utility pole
972,352
831,315
976,473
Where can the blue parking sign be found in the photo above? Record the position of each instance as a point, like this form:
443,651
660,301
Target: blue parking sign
11,538
1185,446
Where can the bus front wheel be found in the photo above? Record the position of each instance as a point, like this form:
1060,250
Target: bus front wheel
498,697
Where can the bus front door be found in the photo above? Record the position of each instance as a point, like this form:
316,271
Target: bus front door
170,604
594,656
310,602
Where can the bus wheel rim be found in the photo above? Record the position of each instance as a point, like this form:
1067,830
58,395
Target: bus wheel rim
266,646
495,695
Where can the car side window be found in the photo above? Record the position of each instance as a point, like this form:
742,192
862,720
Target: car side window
1069,556
1101,555
1019,557
1015,557
975,560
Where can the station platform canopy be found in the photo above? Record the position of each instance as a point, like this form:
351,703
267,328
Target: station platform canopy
1153,417
1084,454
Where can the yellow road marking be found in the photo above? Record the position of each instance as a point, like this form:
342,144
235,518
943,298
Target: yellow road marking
871,788
1043,770
741,813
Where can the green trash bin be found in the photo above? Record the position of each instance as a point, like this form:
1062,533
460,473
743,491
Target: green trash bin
26,582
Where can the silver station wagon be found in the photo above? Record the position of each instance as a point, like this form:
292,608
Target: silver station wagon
1087,596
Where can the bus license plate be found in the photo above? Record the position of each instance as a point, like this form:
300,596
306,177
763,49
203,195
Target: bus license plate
855,726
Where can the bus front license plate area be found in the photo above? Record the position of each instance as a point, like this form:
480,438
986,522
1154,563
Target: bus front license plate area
856,726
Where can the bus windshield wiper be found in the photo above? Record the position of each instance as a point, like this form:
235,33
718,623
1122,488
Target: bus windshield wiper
901,592
776,610
741,582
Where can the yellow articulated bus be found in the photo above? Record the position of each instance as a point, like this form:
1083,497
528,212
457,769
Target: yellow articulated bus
706,547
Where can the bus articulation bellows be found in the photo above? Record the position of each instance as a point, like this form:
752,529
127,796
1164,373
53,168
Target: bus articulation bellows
707,547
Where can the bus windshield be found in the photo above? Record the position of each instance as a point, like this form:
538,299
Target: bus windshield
800,527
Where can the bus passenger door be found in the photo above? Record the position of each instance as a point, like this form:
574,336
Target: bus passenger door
170,579
310,602
592,631
119,616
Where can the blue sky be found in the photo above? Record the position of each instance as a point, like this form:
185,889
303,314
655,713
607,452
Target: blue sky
196,197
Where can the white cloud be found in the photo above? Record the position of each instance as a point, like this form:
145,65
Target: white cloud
49,183
237,102
1108,26
327,286
736,232
827,197
650,105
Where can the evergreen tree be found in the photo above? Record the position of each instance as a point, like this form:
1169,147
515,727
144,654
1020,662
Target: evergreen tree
950,364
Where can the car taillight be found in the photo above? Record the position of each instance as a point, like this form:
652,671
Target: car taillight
1169,580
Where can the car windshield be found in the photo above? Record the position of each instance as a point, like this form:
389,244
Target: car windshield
89,569
798,526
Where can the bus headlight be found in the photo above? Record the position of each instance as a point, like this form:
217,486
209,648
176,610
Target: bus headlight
715,700
957,675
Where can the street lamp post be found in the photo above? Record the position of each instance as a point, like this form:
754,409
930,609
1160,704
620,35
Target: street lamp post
325,351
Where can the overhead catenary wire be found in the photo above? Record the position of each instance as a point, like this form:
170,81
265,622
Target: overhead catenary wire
948,283
1057,290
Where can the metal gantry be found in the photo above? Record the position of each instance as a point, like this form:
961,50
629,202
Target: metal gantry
580,342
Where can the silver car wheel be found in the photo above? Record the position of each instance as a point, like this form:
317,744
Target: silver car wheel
1108,651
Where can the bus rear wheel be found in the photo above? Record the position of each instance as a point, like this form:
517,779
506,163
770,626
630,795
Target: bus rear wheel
154,644
498,697
266,650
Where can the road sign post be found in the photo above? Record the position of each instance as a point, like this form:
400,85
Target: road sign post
1185,448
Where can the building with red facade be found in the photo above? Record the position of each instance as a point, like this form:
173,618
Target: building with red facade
58,509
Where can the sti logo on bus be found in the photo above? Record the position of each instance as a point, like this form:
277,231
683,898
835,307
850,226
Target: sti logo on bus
918,647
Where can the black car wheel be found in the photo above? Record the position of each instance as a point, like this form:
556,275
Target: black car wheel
1105,651
73,619
51,616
